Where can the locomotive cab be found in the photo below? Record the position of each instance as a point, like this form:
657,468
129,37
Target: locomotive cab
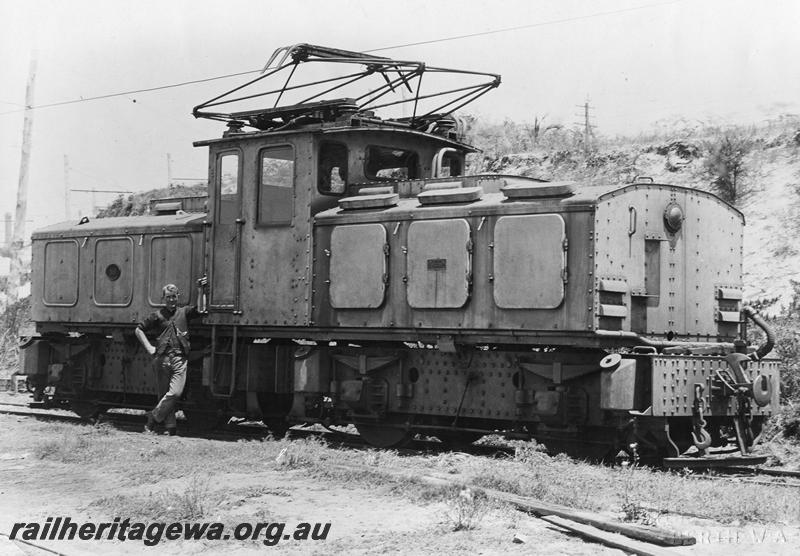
266,187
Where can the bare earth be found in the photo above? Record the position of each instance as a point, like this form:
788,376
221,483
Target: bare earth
99,473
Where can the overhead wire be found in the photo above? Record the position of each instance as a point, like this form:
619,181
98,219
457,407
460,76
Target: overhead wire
419,43
527,26
125,93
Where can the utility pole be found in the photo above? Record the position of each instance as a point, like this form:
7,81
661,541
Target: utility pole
8,223
588,134
67,215
169,170
5,250
18,239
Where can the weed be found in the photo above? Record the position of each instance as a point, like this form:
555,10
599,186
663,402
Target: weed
301,453
74,448
635,512
530,452
785,422
424,494
192,503
466,507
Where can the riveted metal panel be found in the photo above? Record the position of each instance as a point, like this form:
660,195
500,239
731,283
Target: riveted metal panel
674,379
126,369
113,272
358,266
438,264
273,273
170,263
125,239
61,273
481,314
482,388
529,261
675,276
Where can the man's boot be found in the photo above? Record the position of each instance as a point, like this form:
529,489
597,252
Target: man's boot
150,426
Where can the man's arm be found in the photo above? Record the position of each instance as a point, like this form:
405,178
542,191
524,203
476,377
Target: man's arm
140,335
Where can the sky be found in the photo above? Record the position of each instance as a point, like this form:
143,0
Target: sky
637,62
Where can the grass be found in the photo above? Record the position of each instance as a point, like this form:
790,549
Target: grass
632,493
190,503
86,445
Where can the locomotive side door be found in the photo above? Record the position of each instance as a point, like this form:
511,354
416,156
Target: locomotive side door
226,231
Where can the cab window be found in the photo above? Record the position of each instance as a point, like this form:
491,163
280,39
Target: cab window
332,169
228,187
386,163
276,187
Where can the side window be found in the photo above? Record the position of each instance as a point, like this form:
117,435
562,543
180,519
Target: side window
276,186
384,163
332,169
228,183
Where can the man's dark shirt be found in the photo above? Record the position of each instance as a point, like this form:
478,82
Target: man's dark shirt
171,327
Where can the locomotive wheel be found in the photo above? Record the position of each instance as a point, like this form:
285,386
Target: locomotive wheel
274,409
384,437
88,411
277,427
458,441
202,421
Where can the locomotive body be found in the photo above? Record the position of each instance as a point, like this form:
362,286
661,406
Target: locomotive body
357,276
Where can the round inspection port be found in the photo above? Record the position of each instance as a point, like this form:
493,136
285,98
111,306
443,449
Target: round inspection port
113,272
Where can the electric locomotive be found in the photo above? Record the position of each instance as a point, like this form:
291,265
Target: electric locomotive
358,276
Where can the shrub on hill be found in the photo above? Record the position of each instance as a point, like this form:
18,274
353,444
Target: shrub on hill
725,164
138,203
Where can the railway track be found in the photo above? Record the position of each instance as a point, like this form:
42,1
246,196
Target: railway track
236,430
766,476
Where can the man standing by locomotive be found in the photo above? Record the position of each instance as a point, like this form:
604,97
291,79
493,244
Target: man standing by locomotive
171,326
